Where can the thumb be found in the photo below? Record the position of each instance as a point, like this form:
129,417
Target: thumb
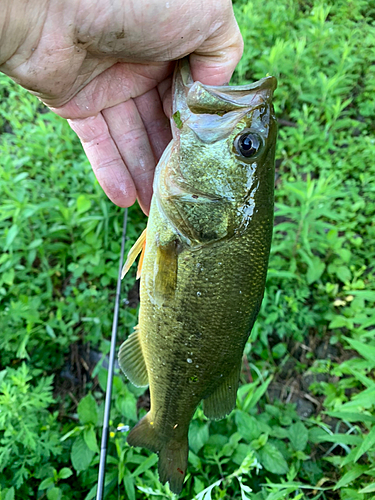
215,60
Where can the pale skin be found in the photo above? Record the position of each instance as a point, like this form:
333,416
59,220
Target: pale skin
106,66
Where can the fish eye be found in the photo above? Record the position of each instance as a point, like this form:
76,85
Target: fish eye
248,144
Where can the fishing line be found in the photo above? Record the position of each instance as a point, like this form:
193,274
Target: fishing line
107,407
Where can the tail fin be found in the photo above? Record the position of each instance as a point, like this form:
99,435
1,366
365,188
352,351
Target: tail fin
173,459
173,454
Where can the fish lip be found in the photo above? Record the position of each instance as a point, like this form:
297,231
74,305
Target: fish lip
188,96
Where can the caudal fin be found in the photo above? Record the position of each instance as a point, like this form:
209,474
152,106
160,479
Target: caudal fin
173,454
173,458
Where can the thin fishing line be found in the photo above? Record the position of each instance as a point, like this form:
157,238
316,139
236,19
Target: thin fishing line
107,407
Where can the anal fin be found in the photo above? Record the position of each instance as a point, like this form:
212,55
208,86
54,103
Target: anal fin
223,399
133,253
132,361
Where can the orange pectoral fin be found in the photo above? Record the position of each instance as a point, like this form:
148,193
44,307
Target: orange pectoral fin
138,246
140,262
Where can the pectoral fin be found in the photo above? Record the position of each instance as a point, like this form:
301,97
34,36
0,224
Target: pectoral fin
222,401
138,246
131,360
166,272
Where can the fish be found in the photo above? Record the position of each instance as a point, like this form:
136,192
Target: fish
204,258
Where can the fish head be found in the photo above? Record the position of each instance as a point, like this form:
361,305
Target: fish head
217,175
225,136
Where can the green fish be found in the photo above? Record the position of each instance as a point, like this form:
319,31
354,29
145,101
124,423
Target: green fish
204,261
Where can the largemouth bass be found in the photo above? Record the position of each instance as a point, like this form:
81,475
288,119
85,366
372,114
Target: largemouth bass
204,261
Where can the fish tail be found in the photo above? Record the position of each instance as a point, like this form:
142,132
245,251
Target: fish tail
173,457
173,453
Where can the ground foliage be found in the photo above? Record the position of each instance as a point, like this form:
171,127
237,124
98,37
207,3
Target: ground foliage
304,426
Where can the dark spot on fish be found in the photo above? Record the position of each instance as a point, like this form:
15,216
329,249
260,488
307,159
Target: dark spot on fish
195,196
178,246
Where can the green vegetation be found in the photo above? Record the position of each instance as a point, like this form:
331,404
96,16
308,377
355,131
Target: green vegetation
304,426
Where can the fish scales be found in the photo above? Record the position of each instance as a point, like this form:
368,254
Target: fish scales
205,261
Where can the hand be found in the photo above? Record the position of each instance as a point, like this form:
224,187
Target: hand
106,67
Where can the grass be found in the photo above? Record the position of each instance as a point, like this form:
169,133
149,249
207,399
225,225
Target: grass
304,426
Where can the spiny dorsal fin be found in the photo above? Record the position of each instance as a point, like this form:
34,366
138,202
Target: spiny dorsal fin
131,360
133,253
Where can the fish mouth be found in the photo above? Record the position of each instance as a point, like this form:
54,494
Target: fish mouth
198,98
215,109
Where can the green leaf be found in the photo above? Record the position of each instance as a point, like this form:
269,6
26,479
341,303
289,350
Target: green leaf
64,473
247,426
370,488
252,399
364,294
127,406
8,276
129,487
146,464
365,350
10,494
315,269
177,119
92,493
351,475
90,439
240,454
368,443
87,410
81,455
83,204
46,483
363,399
340,322
50,331
54,493
36,243
12,233
317,435
343,273
298,435
256,444
352,416
198,435
272,459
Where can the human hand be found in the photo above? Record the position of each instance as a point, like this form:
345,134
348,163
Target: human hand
107,67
